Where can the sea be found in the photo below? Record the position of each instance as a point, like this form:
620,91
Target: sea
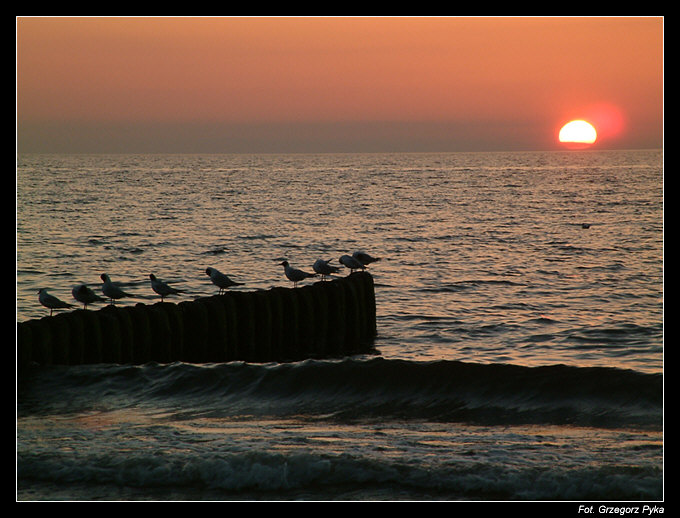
519,350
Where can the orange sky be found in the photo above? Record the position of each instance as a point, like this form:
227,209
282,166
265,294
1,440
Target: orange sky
335,84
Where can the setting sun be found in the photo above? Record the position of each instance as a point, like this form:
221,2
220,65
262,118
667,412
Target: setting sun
578,132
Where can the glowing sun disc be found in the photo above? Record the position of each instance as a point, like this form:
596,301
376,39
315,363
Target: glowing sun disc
578,131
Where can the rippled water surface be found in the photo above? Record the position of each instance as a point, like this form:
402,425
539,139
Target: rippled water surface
519,353
484,254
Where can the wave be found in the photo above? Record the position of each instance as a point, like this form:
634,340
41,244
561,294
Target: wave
361,389
258,474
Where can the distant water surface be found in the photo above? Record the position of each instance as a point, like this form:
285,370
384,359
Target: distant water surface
484,254
543,270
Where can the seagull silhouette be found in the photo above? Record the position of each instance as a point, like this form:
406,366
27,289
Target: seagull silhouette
111,290
350,262
295,275
221,280
324,269
364,258
51,302
86,295
162,288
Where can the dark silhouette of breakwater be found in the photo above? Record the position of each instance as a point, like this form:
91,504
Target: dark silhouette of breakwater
322,320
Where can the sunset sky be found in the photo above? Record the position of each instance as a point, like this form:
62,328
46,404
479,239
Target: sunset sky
280,84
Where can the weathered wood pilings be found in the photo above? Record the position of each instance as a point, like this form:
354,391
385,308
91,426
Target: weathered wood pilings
321,320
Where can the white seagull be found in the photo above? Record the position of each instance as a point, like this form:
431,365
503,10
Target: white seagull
351,263
162,288
111,290
324,269
295,275
220,280
85,295
364,258
51,302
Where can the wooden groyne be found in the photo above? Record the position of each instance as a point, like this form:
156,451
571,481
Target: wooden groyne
321,320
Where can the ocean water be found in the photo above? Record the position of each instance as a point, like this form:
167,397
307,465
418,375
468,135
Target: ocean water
519,353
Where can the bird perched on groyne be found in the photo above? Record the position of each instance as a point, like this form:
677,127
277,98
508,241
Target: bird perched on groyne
350,262
162,288
111,290
51,302
85,295
365,258
221,280
295,275
324,269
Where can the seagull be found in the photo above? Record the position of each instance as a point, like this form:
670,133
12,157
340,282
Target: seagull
295,275
51,302
111,290
351,263
324,269
220,280
162,288
85,295
364,258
